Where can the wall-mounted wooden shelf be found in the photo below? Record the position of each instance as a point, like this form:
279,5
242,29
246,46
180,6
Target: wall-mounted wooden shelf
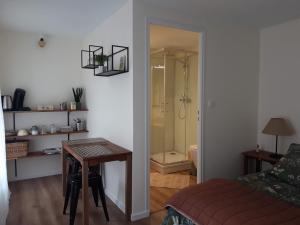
48,134
47,111
32,154
40,153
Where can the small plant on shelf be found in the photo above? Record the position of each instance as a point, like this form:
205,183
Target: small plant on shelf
100,59
77,96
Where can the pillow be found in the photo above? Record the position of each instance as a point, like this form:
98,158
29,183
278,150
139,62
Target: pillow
288,168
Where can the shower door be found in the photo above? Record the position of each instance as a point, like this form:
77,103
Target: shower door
181,107
169,111
158,82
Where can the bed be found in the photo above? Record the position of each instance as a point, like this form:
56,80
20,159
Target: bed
266,198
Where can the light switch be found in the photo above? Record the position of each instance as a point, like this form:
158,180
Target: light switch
211,104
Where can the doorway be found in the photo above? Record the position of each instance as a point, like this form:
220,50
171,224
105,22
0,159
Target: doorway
175,61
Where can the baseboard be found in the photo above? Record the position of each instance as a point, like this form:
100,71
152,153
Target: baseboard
140,215
115,200
120,204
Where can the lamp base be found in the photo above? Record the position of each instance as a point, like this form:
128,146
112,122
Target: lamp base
275,155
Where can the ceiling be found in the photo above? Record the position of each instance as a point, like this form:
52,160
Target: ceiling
56,17
255,13
78,17
172,38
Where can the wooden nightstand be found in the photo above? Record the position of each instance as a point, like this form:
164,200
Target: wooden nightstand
259,157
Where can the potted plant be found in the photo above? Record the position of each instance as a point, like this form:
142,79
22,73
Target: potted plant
100,59
77,96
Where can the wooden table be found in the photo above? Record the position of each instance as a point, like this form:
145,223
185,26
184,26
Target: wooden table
90,152
259,157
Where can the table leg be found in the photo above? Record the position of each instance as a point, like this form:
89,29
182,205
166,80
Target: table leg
85,196
246,167
258,165
128,188
64,171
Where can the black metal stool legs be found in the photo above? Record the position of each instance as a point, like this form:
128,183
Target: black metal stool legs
94,187
67,196
74,183
75,189
95,193
102,196
72,168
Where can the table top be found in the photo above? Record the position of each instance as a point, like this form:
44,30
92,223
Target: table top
261,155
93,148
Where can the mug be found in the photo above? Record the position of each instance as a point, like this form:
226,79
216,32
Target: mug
52,129
73,105
63,106
43,129
34,130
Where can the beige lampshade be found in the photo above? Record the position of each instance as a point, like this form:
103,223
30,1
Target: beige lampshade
278,126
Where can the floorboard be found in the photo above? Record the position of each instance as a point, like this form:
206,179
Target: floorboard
159,196
40,202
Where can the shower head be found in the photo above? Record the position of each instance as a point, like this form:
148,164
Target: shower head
158,67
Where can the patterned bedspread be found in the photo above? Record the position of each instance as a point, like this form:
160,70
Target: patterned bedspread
268,183
262,181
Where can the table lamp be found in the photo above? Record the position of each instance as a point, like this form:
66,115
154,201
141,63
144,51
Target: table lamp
277,127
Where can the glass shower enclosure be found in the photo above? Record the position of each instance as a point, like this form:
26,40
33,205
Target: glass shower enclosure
172,113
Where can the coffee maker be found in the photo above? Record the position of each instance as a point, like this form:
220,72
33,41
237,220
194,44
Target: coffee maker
18,99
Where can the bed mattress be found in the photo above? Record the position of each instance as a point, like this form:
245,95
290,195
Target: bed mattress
231,202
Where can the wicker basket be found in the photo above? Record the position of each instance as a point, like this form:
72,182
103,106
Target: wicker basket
16,149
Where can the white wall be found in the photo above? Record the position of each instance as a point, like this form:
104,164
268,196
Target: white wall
231,82
279,81
47,74
117,104
109,99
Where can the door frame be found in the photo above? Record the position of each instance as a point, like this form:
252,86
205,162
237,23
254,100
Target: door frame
201,92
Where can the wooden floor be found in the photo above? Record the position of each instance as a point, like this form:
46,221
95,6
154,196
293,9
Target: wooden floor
159,196
40,202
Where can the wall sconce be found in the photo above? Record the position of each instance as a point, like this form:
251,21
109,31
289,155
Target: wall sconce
42,42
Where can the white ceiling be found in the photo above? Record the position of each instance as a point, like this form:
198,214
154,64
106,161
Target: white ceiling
56,17
78,17
255,13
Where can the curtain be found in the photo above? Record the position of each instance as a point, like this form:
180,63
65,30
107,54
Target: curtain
4,191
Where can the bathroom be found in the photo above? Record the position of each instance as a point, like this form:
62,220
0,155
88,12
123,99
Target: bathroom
174,70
